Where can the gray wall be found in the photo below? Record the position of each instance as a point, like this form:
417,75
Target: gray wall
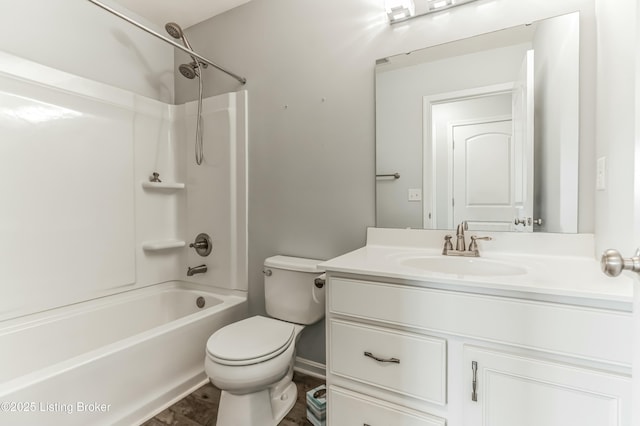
311,112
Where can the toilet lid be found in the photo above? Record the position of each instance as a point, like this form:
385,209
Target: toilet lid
250,341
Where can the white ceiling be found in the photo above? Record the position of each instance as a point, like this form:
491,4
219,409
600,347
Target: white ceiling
183,12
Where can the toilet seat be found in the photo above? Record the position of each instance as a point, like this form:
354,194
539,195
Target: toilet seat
250,341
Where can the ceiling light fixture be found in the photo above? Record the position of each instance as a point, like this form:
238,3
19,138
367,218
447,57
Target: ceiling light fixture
438,5
401,10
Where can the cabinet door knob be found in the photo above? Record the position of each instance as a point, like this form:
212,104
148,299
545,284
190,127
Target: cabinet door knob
391,360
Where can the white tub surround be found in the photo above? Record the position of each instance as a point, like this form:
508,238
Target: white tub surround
531,332
87,241
81,219
216,190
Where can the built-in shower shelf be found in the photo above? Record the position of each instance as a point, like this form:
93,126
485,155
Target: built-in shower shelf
162,245
163,185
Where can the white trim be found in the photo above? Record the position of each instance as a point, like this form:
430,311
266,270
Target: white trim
310,368
428,136
476,92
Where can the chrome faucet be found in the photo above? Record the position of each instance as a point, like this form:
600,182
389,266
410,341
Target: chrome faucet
461,244
200,269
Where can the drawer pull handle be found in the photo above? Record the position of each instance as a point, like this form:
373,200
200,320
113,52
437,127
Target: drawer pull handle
392,360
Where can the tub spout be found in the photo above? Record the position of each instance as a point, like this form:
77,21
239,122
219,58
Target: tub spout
200,269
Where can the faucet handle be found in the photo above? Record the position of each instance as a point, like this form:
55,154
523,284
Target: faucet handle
474,245
202,244
448,245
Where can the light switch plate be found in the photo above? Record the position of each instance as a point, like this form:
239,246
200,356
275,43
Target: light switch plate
415,194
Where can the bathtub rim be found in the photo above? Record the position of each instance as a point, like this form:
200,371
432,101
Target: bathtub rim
22,321
230,299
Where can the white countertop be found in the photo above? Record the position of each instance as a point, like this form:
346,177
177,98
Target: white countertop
558,277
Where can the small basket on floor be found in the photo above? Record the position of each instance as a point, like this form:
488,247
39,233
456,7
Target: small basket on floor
317,405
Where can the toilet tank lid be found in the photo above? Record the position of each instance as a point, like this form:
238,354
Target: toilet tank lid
294,264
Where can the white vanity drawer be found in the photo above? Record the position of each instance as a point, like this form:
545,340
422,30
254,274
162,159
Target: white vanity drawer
349,408
408,364
492,318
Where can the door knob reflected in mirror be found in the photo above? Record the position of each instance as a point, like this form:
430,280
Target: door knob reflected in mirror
527,221
612,263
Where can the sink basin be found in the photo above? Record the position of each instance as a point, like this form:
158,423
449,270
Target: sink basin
463,266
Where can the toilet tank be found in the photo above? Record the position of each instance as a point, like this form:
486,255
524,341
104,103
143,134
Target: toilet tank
289,289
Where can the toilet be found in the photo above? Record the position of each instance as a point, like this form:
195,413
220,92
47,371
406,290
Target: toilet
251,361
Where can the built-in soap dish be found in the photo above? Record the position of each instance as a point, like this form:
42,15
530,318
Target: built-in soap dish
163,185
162,245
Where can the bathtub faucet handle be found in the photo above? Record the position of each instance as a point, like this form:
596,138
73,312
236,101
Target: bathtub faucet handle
202,244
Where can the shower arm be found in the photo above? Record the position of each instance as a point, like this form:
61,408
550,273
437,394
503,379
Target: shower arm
166,40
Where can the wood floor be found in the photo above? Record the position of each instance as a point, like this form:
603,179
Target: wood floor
201,407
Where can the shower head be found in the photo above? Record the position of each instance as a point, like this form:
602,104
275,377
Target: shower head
175,31
189,70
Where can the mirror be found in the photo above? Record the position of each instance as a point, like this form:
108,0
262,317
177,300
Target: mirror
483,130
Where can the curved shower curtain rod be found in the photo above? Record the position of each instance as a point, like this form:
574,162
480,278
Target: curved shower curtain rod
166,40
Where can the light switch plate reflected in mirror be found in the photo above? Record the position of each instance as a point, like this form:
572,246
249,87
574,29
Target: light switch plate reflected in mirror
415,194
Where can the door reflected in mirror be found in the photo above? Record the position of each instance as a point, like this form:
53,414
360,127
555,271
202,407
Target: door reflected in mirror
482,130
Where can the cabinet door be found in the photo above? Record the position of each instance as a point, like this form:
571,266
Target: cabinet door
516,390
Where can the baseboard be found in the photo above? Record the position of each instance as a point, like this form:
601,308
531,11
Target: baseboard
164,401
310,368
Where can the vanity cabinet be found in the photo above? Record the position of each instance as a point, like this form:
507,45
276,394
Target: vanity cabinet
408,352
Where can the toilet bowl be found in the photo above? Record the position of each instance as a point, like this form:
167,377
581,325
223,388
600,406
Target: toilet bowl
236,365
251,361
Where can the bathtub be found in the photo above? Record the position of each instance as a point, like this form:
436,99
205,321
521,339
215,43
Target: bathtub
116,360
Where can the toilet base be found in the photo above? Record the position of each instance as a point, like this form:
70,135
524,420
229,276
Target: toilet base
264,408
